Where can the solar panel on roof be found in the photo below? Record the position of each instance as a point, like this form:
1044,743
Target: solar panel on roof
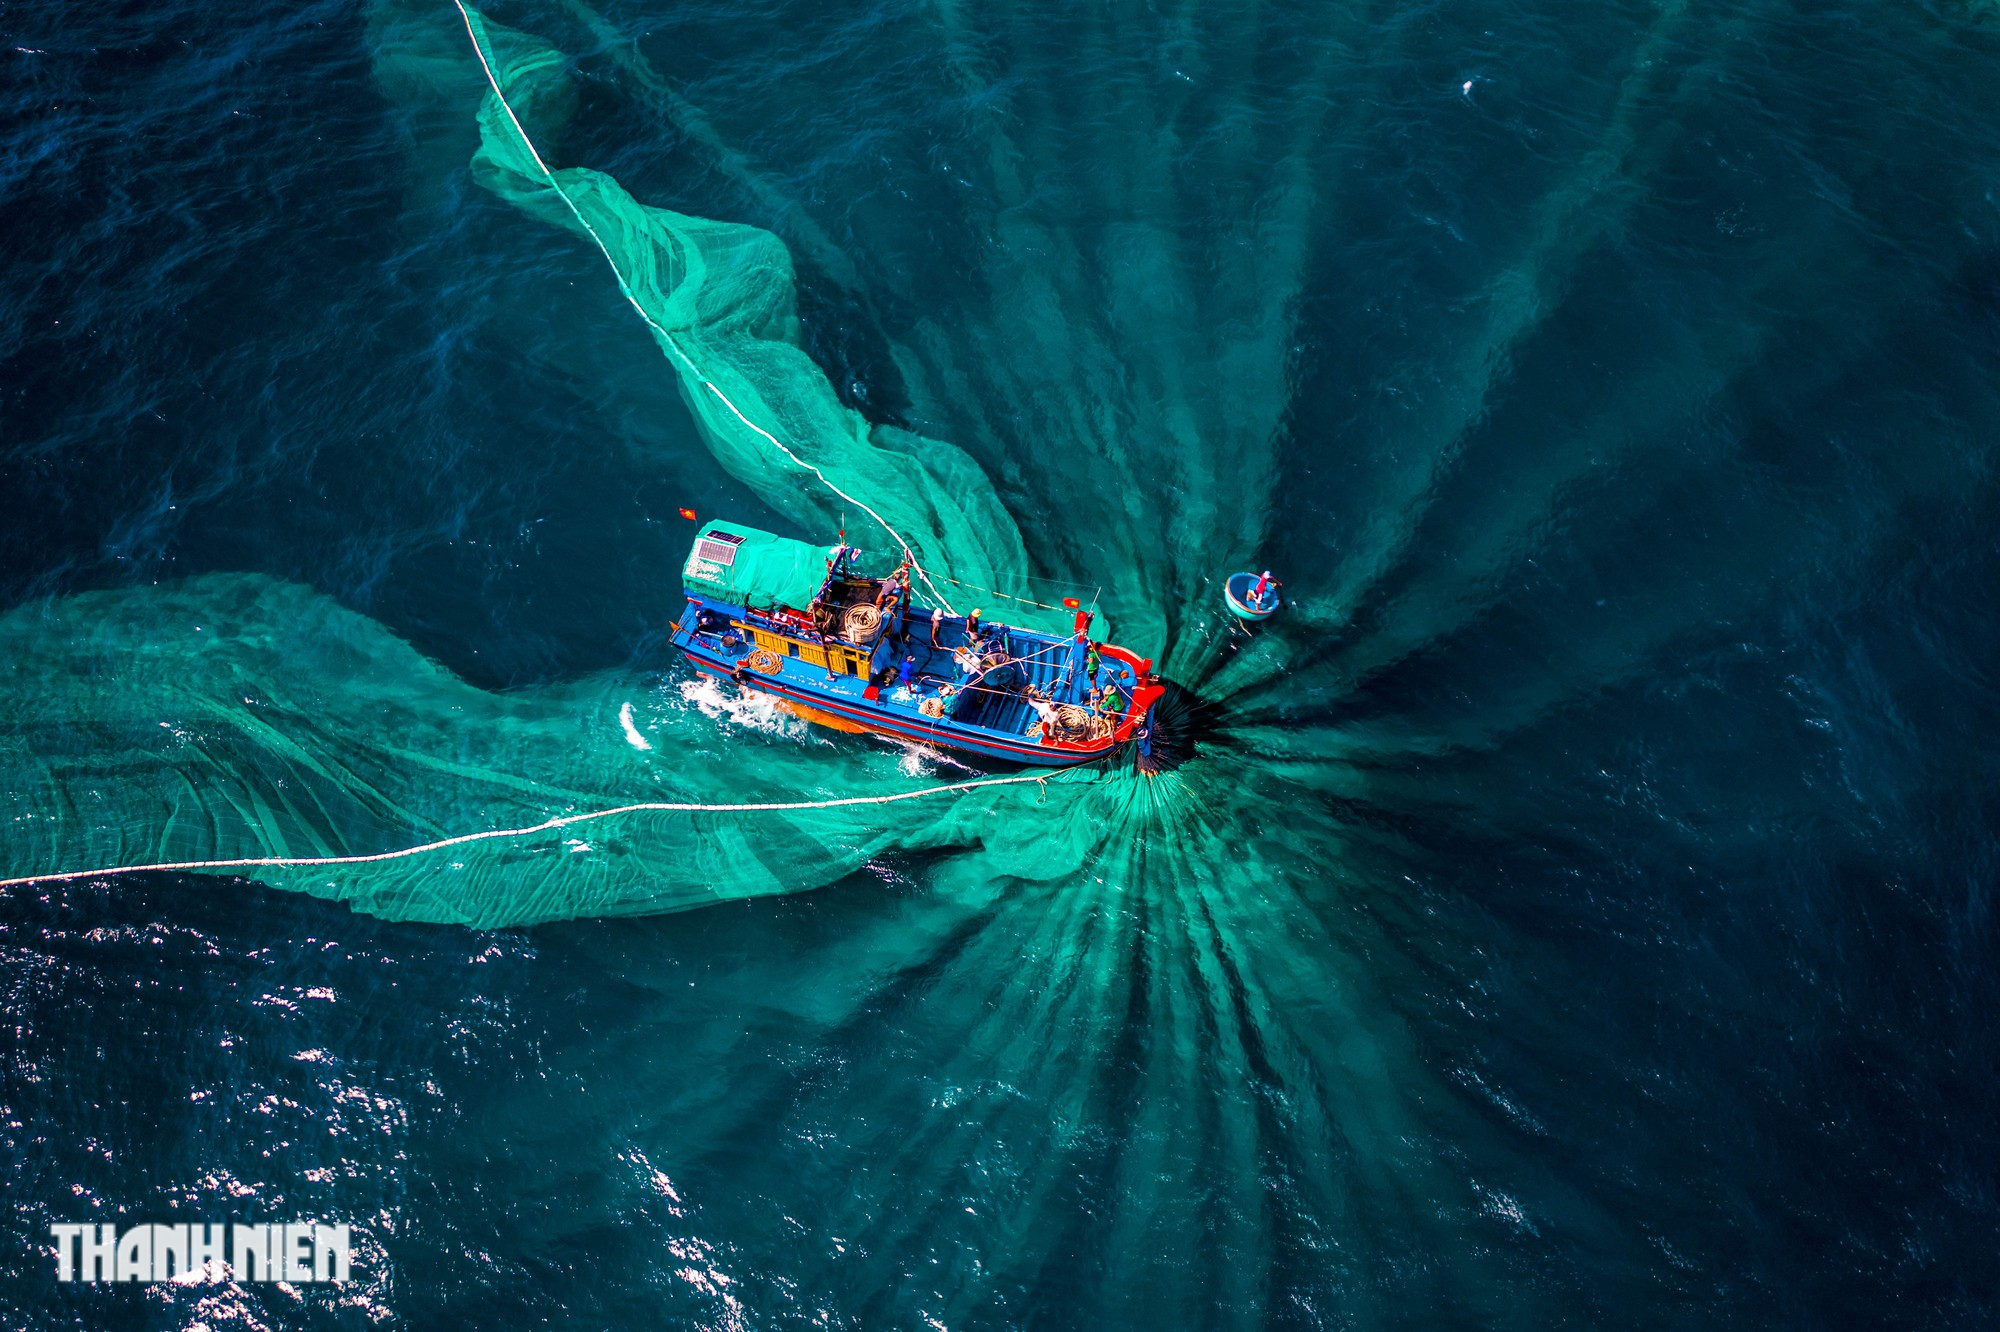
718,547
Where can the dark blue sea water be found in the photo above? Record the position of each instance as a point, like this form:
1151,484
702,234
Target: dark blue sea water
1580,910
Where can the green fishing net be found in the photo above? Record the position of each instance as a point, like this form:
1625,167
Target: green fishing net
239,716
720,298
242,717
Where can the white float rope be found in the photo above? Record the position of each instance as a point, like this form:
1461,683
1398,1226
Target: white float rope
547,825
571,820
479,49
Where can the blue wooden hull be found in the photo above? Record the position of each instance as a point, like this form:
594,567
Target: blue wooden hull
821,693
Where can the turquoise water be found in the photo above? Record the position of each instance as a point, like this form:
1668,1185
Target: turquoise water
1573,910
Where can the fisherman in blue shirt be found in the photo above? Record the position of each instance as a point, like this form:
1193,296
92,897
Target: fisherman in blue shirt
907,677
1147,763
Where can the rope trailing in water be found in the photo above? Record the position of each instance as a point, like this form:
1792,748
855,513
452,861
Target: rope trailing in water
1025,601
479,49
547,825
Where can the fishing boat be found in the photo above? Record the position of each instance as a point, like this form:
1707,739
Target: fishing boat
858,653
1251,597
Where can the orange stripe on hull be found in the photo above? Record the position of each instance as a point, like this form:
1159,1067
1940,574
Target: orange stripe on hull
832,720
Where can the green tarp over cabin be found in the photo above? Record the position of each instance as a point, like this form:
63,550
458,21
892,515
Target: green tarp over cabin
739,564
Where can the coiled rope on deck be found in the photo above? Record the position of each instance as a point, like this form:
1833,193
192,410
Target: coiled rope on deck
472,28
492,834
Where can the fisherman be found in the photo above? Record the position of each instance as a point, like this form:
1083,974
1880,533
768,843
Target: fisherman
1044,709
996,641
903,603
907,676
1147,763
1263,586
1114,702
1092,661
897,583
892,599
972,625
937,623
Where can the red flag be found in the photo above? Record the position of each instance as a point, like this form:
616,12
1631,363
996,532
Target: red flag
1071,603
688,514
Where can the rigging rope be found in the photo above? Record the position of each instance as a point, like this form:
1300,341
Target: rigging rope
547,825
479,49
1025,601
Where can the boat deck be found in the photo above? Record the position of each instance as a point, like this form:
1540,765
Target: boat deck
992,715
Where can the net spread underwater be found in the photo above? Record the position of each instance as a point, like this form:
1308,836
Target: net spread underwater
304,731
1571,908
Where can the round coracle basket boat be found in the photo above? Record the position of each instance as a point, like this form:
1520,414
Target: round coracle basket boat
1239,593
